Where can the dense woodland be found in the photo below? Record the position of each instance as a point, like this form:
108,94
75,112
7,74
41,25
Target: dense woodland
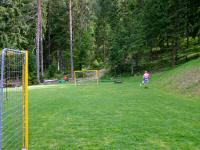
123,36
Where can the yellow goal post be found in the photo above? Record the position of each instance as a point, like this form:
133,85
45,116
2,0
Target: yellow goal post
86,75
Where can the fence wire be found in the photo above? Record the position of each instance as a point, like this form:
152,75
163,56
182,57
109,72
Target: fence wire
12,95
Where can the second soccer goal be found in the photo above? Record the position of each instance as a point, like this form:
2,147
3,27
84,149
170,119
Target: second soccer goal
82,77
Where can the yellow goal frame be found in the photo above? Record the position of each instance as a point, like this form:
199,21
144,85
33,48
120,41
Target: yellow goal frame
25,126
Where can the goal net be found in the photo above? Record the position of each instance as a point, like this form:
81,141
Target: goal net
82,77
14,100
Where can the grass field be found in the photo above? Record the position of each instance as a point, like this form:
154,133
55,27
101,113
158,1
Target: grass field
113,116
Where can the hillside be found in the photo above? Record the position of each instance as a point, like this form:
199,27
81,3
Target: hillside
184,78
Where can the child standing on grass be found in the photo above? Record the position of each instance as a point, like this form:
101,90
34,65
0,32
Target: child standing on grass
66,78
146,79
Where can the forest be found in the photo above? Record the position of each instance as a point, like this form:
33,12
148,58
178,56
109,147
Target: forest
122,36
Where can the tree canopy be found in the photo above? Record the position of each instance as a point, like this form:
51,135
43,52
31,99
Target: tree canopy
125,36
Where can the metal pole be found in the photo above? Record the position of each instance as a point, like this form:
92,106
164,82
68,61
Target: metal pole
26,100
1,98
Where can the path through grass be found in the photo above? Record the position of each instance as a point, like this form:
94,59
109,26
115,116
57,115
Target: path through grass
112,116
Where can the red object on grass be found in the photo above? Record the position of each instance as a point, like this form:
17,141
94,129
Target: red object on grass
66,78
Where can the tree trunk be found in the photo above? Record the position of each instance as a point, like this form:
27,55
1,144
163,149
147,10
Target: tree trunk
38,34
58,60
187,36
167,42
132,66
71,39
62,65
49,47
176,41
41,54
175,51
104,51
187,25
49,36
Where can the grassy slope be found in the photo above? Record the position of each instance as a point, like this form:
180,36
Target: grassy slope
113,116
183,79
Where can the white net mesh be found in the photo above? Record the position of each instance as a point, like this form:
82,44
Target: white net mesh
12,95
86,77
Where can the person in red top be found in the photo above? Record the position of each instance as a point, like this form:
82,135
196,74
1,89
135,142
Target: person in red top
66,78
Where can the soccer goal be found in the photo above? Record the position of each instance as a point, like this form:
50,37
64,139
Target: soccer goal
82,77
14,100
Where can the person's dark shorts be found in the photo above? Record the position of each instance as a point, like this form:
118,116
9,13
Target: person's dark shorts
146,80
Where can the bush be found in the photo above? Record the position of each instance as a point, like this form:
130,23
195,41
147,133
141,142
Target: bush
32,69
51,71
33,78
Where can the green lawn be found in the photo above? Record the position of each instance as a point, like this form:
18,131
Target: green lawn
112,116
